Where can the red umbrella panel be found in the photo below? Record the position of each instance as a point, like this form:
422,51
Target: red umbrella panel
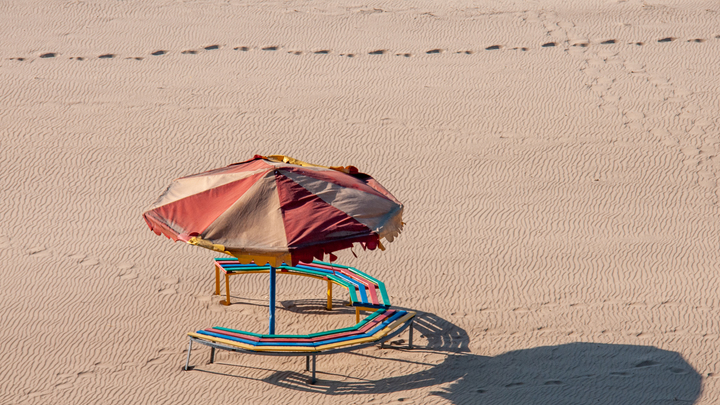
277,209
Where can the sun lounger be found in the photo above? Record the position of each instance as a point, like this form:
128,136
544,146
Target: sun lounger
365,291
380,326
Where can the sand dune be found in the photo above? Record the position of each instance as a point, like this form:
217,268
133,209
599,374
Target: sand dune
558,164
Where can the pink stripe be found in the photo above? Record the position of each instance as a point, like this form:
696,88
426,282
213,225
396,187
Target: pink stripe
369,285
310,220
336,177
368,326
193,214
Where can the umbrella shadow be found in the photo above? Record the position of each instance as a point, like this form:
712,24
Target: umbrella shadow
316,307
567,373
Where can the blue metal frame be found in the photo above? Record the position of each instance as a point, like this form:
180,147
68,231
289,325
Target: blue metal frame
273,280
214,346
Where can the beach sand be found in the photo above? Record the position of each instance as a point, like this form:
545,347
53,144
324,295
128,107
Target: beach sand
559,167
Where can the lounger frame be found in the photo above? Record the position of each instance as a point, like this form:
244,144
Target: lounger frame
308,355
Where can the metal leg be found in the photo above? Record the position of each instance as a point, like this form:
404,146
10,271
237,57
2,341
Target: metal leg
273,279
307,363
217,280
313,380
411,334
227,289
357,315
212,355
187,362
329,296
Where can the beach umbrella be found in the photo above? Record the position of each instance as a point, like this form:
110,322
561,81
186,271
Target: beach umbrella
276,209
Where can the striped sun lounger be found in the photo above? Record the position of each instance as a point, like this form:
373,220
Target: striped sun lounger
365,292
382,325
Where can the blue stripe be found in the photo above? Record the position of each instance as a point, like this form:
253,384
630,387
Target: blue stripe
361,288
369,333
302,266
237,339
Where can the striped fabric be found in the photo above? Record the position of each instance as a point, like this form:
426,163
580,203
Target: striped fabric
364,290
277,209
373,328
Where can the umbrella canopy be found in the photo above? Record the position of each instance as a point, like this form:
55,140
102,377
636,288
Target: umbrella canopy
277,209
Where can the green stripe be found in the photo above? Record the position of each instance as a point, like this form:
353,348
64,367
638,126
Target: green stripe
311,335
379,283
237,331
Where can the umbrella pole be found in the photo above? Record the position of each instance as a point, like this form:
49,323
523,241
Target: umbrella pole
272,300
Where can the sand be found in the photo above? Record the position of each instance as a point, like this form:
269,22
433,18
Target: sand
558,163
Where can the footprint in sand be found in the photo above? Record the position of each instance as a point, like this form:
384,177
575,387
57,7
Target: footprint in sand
242,48
77,257
128,276
204,298
432,51
646,363
633,67
271,48
189,52
493,47
619,374
378,52
169,280
48,55
90,261
106,56
125,265
549,44
158,53
322,52
690,151
553,382
211,47
634,115
39,251
668,39
65,386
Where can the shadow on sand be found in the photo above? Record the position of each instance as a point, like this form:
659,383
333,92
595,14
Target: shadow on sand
575,373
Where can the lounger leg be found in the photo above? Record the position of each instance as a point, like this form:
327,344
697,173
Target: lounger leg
307,363
212,355
187,362
411,334
329,296
357,315
217,280
313,380
227,289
